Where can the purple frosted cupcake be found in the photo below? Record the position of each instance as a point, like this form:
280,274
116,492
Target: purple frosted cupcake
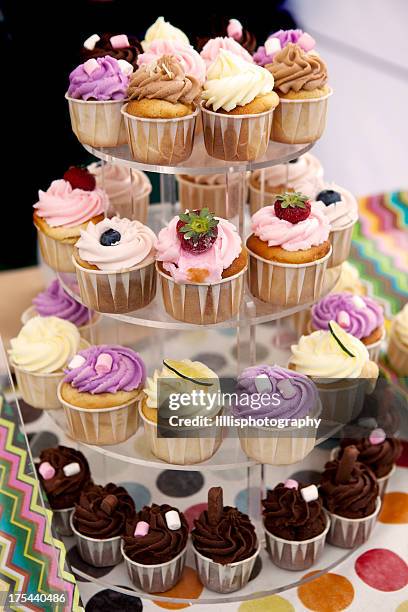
288,402
278,40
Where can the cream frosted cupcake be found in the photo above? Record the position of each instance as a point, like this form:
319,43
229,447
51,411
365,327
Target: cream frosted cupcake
39,354
237,109
213,46
398,344
209,191
128,190
183,376
349,280
163,30
114,262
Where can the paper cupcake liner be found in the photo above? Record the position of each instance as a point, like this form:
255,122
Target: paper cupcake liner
101,426
39,390
374,349
300,121
116,292
97,123
166,142
342,401
133,207
155,578
286,284
180,451
55,253
259,199
61,520
236,137
341,244
382,482
224,578
397,355
296,556
99,553
202,304
195,196
89,331
348,533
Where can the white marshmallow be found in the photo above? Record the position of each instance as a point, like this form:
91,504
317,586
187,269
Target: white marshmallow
125,67
76,362
90,66
173,520
262,383
309,493
272,46
71,469
286,388
358,301
91,42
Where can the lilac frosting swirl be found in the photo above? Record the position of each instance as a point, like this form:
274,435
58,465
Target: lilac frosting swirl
296,398
128,371
107,82
262,58
357,315
56,302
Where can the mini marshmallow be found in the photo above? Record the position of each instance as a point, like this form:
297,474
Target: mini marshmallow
306,42
76,362
142,528
90,66
119,42
46,470
91,42
309,493
262,383
234,29
272,46
358,301
71,469
173,520
377,436
125,67
343,319
291,484
286,388
103,363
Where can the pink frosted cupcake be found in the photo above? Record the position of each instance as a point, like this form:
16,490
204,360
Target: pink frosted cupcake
212,48
190,60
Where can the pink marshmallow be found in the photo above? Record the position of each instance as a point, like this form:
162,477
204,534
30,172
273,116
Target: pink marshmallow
343,319
234,29
142,528
46,470
120,41
291,484
377,436
103,363
91,65
307,42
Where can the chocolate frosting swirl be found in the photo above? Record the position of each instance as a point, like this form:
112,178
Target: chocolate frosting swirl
164,80
63,491
378,457
355,498
295,70
287,515
103,47
99,518
230,540
160,544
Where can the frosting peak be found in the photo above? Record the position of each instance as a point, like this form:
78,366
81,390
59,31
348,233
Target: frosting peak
213,47
191,61
107,81
91,517
55,301
295,70
163,30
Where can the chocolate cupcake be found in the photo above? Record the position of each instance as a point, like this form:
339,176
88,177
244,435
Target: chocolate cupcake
225,545
295,524
99,521
349,491
154,547
120,46
63,473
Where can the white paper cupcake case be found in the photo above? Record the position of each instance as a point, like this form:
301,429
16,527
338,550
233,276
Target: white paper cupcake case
195,196
155,578
397,355
286,284
97,123
116,292
61,520
99,553
374,349
341,243
348,533
236,137
342,401
202,304
166,142
259,199
296,556
39,390
300,121
133,207
55,253
224,578
89,332
382,482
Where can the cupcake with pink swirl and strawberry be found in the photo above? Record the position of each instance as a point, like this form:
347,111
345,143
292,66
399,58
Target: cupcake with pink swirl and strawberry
289,248
201,263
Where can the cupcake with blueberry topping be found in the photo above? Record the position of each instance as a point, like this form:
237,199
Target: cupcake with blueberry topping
119,46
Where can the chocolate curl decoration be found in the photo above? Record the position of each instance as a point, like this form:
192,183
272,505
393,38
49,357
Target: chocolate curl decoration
346,464
215,505
109,504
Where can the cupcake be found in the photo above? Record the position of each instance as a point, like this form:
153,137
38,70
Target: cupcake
288,250
360,316
96,92
301,83
295,525
119,46
100,394
280,39
349,280
99,522
114,262
237,108
67,206
163,30
225,545
39,354
154,547
185,376
210,191
56,302
63,473
231,28
304,174
349,491
213,46
128,190
161,113
398,345
201,264
191,61
285,395
340,365
342,211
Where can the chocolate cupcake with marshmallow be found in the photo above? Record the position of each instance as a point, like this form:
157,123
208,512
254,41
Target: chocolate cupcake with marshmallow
119,46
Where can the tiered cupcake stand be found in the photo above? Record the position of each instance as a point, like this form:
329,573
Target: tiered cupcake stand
167,337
